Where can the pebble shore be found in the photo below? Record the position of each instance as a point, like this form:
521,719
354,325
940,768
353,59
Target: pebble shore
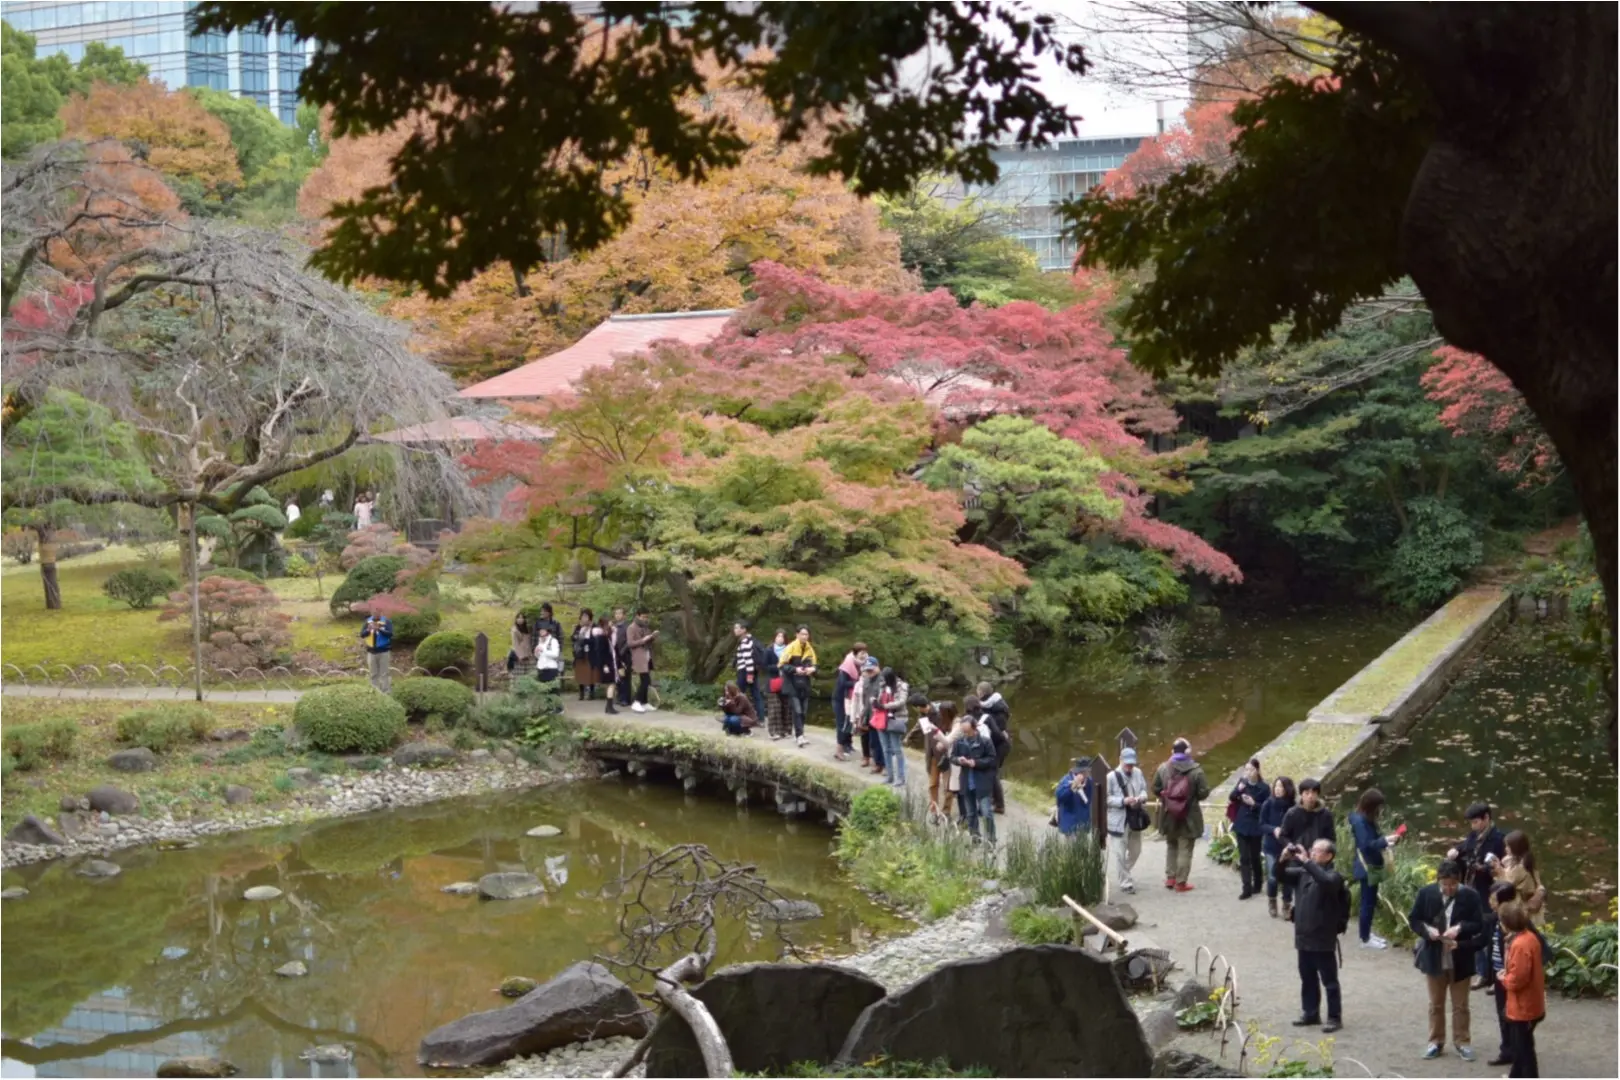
326,797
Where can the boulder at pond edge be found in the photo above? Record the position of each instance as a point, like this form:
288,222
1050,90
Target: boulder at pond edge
772,1015
509,885
197,1066
31,830
111,800
586,1001
1046,1010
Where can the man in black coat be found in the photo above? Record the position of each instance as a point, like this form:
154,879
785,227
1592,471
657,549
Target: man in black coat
1479,853
1449,919
1308,820
1321,914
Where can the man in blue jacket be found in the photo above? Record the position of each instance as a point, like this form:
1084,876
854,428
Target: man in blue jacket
379,638
977,756
1074,799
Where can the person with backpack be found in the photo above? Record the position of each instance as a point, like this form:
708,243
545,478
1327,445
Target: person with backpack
1448,918
1321,914
993,707
1127,816
1518,868
1181,788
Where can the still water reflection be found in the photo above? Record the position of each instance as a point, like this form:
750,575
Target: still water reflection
108,978
1520,730
1239,682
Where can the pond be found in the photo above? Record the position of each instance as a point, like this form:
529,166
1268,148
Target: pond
111,977
1519,731
1239,681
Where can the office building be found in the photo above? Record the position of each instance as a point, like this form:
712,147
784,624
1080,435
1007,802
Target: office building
249,63
1034,183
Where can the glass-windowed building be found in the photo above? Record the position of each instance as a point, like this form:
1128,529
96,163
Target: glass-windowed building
1034,182
249,63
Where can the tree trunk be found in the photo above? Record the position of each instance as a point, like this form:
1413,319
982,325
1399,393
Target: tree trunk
711,1041
182,524
47,568
196,599
1509,229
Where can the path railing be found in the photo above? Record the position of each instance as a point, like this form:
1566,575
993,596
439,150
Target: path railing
119,675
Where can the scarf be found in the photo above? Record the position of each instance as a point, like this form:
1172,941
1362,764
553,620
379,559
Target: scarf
850,668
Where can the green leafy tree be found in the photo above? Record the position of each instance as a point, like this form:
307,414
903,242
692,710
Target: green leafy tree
35,89
1319,452
1341,186
963,247
30,98
66,445
274,158
1036,497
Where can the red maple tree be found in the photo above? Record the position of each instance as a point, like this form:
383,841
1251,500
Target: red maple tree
1477,399
1204,137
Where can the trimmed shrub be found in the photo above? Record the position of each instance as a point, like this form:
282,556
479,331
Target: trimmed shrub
500,718
34,745
296,566
161,730
349,719
20,545
368,578
233,573
139,586
410,629
429,700
446,649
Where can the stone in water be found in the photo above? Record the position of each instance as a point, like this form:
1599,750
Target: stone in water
544,831
292,969
517,986
328,1054
460,888
262,892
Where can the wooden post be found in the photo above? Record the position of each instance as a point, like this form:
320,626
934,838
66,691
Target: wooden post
1107,931
196,598
481,661
1127,738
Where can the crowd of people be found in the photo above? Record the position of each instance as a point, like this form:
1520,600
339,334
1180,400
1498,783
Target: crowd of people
1476,924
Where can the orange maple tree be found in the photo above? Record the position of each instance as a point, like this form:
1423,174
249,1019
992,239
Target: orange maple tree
181,139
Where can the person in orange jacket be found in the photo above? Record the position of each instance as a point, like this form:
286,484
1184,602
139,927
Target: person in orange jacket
1526,985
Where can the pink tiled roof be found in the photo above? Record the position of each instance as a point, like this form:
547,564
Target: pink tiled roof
464,429
618,336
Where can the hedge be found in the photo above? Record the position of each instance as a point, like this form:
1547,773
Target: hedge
349,719
426,699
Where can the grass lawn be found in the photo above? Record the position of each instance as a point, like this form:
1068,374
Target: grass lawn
92,628
187,778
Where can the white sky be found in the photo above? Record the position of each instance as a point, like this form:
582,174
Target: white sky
1106,111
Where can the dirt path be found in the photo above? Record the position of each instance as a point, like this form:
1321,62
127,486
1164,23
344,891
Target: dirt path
1385,1003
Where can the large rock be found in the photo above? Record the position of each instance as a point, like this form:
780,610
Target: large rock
787,910
509,885
135,759
772,1016
236,794
75,823
1160,1027
1117,917
111,800
1180,1063
31,830
584,1002
99,868
424,753
1047,1010
197,1066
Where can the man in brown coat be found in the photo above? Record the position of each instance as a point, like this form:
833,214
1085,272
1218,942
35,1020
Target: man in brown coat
1180,787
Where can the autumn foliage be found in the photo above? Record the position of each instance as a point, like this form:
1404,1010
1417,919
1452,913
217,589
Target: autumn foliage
689,247
241,626
1477,399
180,138
1204,137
